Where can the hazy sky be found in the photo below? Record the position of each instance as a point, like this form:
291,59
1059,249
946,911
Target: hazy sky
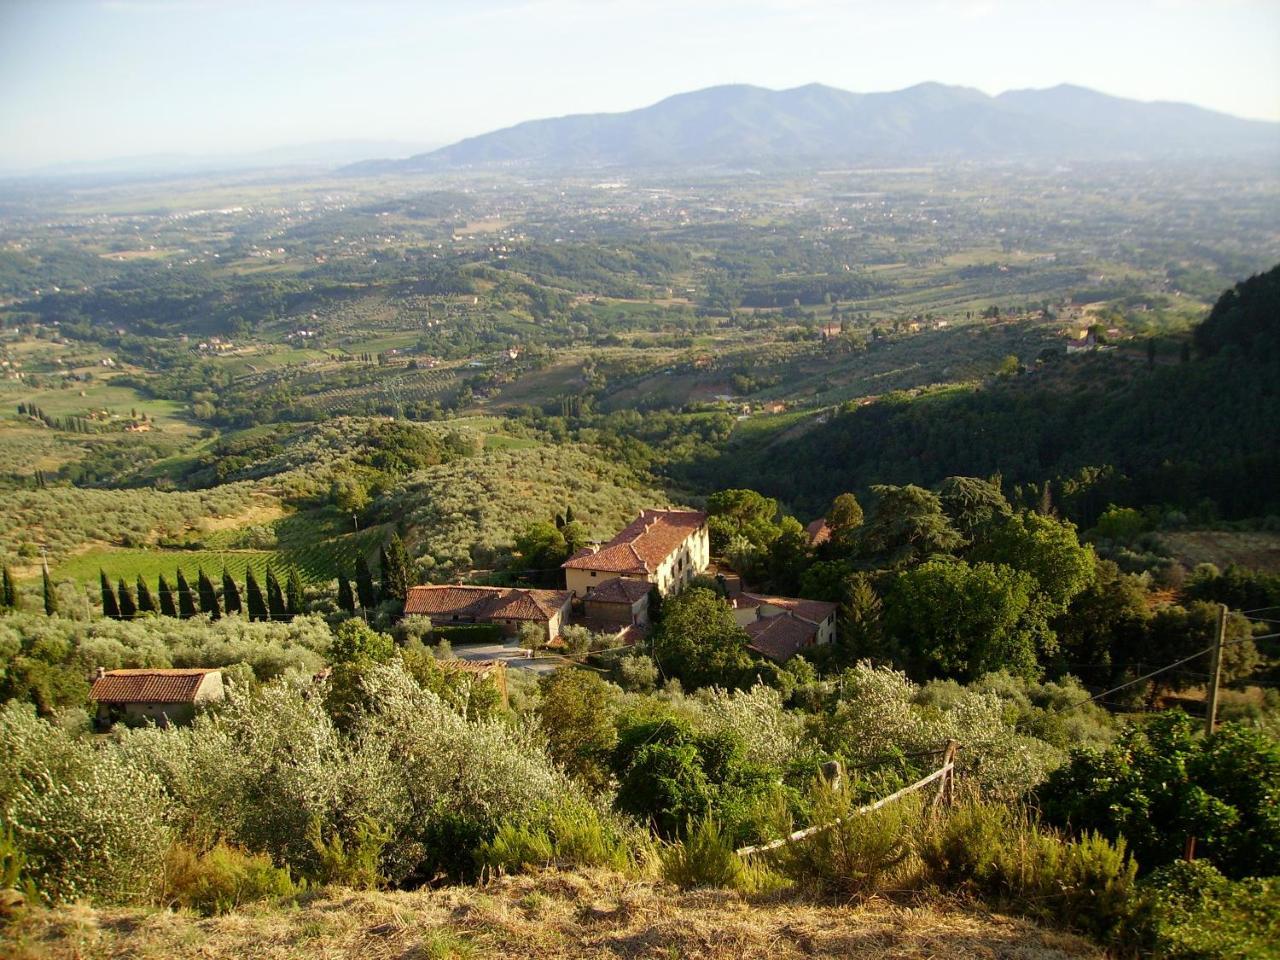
90,80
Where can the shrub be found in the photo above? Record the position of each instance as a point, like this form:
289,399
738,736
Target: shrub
467,633
516,848
1008,860
221,879
704,858
1198,914
857,854
354,864
87,823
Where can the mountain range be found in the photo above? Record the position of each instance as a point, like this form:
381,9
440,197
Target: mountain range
740,126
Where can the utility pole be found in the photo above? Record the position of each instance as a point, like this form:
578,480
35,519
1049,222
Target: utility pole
1211,711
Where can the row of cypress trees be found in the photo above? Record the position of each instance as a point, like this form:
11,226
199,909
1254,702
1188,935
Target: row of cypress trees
397,577
275,603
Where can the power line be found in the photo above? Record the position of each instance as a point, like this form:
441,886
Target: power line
1148,676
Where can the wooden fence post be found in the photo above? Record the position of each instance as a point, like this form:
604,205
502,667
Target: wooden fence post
948,790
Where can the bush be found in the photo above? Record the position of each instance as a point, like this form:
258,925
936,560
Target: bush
857,854
355,864
87,823
1005,858
1198,914
467,633
704,858
221,879
516,848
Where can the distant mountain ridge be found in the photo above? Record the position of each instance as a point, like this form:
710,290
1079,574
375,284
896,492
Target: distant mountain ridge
742,125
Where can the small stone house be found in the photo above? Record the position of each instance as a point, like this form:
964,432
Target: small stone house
621,602
160,696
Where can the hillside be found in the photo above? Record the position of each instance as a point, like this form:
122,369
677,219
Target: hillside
737,125
1198,434
553,914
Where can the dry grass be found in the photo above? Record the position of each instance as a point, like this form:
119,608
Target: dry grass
1257,550
589,914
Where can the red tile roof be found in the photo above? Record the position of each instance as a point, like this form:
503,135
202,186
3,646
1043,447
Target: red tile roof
815,611
148,686
486,603
642,546
620,590
780,638
819,532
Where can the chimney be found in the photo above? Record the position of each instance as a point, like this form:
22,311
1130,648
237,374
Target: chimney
102,672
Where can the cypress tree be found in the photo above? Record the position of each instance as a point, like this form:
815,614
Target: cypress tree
110,605
146,602
230,594
128,608
346,601
50,598
9,591
166,598
186,599
395,570
364,584
208,597
293,593
275,598
253,596
568,516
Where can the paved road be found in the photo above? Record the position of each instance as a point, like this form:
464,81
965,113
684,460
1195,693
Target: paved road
510,652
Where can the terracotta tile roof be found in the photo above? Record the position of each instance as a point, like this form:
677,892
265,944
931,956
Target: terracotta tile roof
819,532
780,638
643,544
485,603
815,611
148,686
620,590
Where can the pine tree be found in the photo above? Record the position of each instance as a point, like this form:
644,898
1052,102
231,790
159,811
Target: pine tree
166,598
364,584
9,591
230,594
146,602
395,574
110,605
128,607
275,598
346,601
253,596
293,593
50,597
186,598
208,596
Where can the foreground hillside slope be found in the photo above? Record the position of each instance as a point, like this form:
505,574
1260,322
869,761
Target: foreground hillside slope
553,914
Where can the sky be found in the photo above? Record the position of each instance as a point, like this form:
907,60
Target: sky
84,80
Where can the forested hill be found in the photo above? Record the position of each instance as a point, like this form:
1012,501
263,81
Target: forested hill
739,124
1202,435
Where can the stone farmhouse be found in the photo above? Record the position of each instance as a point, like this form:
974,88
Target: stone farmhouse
781,627
506,607
665,548
160,696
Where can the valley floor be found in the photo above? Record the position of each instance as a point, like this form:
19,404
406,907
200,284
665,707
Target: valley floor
553,914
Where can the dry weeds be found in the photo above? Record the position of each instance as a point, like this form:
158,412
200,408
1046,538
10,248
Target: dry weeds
550,915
